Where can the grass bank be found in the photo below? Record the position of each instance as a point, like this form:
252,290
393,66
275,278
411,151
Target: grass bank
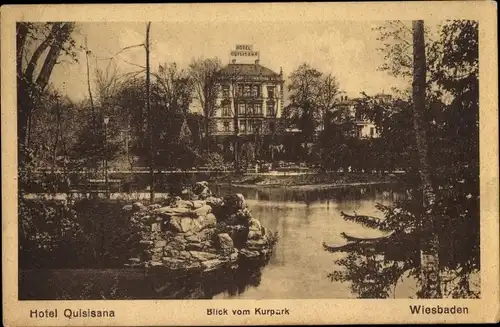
307,181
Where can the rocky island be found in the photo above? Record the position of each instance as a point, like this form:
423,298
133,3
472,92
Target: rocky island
198,232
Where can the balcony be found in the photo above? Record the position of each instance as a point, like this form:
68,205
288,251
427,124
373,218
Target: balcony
252,114
256,98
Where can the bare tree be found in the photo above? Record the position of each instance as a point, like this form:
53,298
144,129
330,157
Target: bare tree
329,91
203,74
107,82
92,107
429,242
150,119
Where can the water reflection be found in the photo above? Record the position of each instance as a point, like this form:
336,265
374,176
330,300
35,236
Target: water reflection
299,267
112,284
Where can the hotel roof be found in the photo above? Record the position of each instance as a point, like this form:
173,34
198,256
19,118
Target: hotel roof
247,70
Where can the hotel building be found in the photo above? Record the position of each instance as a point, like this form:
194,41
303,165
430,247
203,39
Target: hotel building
248,109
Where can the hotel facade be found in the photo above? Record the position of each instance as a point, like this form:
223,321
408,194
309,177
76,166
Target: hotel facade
248,109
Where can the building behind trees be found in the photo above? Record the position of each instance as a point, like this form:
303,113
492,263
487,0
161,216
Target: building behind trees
251,96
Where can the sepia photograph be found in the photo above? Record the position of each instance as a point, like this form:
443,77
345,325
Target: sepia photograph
247,160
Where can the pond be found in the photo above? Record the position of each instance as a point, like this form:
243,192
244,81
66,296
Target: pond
298,267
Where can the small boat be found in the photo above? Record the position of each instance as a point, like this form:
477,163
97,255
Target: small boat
351,238
368,221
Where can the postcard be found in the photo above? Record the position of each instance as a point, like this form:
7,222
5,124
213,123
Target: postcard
232,164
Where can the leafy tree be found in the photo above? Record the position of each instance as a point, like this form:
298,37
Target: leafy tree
304,87
451,104
429,241
34,42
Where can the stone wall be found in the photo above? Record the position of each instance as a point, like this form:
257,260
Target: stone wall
199,232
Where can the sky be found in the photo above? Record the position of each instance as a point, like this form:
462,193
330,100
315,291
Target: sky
347,49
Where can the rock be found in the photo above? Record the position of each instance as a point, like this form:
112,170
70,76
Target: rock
193,239
256,244
171,212
264,232
155,264
234,255
194,246
175,245
159,244
156,256
249,254
134,259
198,204
156,250
137,206
234,202
180,238
190,225
146,242
127,207
254,229
214,202
239,234
185,255
201,190
225,244
169,252
208,246
173,263
206,234
202,256
208,221
184,204
212,264
203,183
154,206
155,227
204,210
173,201
174,225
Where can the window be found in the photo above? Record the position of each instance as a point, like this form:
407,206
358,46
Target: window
270,92
226,110
243,126
250,109
241,109
250,127
240,89
225,91
270,109
258,108
255,90
247,90
226,126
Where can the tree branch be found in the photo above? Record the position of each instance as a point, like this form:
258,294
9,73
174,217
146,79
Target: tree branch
130,47
131,63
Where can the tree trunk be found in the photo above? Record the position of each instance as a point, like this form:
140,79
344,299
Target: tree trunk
206,132
29,89
429,242
150,119
236,146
